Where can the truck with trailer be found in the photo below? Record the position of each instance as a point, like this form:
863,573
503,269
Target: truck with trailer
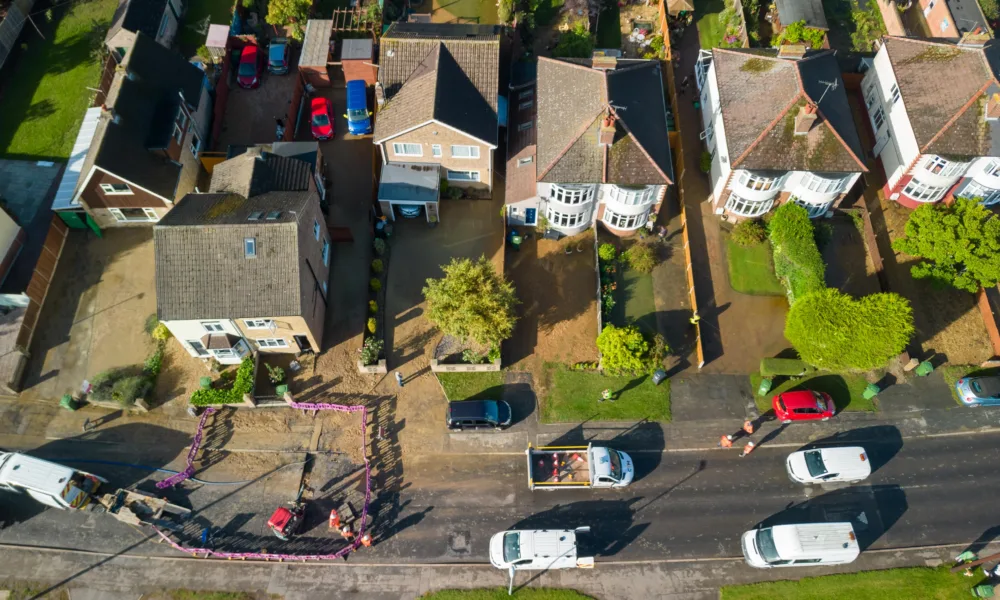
571,467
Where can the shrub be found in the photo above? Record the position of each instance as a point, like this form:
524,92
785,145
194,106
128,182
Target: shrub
797,261
375,285
154,363
607,252
822,234
371,350
472,301
371,325
575,43
161,333
127,390
641,257
705,162
275,374
372,307
505,11
379,245
102,384
659,351
454,192
798,33
784,367
494,354
472,357
242,384
623,350
150,325
748,234
377,265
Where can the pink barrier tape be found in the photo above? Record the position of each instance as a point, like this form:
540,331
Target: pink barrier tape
207,553
192,453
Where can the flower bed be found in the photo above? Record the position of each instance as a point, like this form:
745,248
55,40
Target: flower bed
229,393
373,340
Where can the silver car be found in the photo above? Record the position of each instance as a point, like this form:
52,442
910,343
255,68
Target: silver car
979,391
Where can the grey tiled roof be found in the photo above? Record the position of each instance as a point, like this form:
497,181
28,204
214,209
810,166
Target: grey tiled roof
573,99
202,271
944,88
439,71
810,11
137,15
760,96
256,172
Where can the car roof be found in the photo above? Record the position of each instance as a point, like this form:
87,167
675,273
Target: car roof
989,386
276,50
469,409
319,102
248,50
799,399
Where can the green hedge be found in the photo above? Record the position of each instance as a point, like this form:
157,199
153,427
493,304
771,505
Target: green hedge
243,384
797,261
787,367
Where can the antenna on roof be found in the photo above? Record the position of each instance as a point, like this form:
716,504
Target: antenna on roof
617,107
830,85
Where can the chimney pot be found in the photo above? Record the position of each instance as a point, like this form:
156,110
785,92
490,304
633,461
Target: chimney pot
606,136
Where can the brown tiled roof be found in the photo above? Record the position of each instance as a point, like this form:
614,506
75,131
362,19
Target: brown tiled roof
573,99
521,179
445,72
257,172
760,96
943,87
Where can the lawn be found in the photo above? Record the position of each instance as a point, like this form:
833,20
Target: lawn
751,270
572,397
501,594
893,584
639,307
201,14
465,11
845,389
44,90
609,27
710,28
952,373
472,386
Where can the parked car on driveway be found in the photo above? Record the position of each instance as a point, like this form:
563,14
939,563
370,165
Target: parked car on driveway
829,465
322,119
277,56
248,73
358,118
478,414
803,405
979,391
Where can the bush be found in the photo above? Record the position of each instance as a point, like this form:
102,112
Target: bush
375,285
798,33
494,354
705,163
242,384
127,390
748,234
822,234
472,357
607,252
372,307
575,43
641,257
154,363
371,325
659,351
784,367
160,333
797,261
275,374
454,192
379,245
472,301
370,351
623,350
505,11
377,266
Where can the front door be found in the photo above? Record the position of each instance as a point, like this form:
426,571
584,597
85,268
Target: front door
530,214
303,343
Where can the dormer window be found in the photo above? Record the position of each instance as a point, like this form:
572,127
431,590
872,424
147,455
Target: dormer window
255,216
250,247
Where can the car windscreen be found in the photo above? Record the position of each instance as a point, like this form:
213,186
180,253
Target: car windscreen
511,547
820,405
616,465
321,120
247,70
357,114
814,463
492,409
765,544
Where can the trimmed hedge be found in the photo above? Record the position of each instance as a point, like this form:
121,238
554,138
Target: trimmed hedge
787,367
243,384
797,261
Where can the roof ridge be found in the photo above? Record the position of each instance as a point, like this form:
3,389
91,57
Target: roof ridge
639,144
569,64
962,111
572,141
829,126
781,115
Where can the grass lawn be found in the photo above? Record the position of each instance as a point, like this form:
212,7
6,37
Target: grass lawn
844,389
751,270
572,396
45,95
952,373
194,30
893,584
501,593
609,27
710,29
638,295
465,11
472,386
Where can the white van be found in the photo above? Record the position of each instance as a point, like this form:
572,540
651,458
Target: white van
827,465
803,545
47,482
538,549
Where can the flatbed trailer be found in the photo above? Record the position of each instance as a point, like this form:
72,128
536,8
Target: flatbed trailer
571,467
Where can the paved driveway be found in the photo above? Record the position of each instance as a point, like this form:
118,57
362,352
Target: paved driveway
250,114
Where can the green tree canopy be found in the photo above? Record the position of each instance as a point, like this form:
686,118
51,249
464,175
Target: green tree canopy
623,350
832,330
289,12
960,244
472,301
575,43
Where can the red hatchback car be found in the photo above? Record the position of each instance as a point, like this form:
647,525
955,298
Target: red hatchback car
322,119
803,405
248,74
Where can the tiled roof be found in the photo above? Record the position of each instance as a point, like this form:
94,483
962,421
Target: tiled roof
521,180
810,11
445,72
202,271
574,99
256,172
136,16
760,96
944,89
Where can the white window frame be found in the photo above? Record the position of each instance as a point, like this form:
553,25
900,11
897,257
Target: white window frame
631,197
163,25
561,219
150,216
109,189
878,118
324,288
814,209
198,347
250,247
259,323
747,208
521,162
921,192
224,353
624,222
326,252
822,185
758,183
992,169
436,150
526,104
400,149
195,145
464,152
526,126
473,176
180,122
271,343
935,165
894,93
988,196
571,196
178,133
213,326
316,229
945,25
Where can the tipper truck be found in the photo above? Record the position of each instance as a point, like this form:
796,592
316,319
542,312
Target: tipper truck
557,467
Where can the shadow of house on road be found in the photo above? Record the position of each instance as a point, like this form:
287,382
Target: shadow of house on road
611,522
881,443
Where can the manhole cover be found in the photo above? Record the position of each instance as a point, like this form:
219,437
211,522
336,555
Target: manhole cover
458,542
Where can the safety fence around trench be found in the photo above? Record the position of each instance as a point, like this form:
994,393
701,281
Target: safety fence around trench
188,472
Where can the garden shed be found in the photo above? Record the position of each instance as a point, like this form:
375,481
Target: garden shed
316,52
356,59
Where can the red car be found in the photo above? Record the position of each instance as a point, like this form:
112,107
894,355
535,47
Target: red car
803,405
248,74
322,119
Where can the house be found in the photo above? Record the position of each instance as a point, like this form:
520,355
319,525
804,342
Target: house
933,106
778,128
952,18
236,275
307,152
138,154
440,86
587,143
255,171
157,19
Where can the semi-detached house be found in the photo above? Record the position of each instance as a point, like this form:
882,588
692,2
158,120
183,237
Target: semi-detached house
778,128
934,107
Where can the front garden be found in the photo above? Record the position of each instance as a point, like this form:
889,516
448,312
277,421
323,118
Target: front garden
751,268
373,337
574,394
892,584
472,386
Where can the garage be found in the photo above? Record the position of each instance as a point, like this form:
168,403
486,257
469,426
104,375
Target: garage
410,191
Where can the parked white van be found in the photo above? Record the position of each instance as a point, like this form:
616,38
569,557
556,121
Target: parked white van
538,549
803,545
828,465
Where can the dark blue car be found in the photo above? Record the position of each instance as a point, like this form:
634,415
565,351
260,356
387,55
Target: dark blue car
358,118
277,56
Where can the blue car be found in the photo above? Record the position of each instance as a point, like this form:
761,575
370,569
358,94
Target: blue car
358,118
979,391
277,56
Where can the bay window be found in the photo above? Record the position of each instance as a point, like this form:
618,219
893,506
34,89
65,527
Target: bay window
984,194
822,185
944,168
624,221
815,209
560,219
922,192
571,195
747,208
759,183
631,196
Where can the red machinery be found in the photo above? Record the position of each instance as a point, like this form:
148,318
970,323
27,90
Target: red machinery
285,521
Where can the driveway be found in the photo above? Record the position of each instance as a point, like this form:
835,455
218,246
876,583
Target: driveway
250,114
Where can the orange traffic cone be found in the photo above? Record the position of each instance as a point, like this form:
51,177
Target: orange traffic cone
334,519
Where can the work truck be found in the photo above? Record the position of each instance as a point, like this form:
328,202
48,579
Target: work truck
569,467
47,482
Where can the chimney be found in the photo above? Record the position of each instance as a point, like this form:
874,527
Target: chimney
256,152
993,107
379,94
805,119
792,51
606,136
603,63
973,39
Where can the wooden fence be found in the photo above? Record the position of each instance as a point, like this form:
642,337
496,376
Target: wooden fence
38,287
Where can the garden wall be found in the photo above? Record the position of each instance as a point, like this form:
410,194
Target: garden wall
467,368
988,302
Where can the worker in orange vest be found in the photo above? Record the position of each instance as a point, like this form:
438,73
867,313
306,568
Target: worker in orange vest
346,533
747,449
726,441
366,540
334,519
748,427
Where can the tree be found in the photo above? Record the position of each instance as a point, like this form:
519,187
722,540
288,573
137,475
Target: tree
832,330
960,244
472,301
575,43
623,350
641,257
505,11
289,12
